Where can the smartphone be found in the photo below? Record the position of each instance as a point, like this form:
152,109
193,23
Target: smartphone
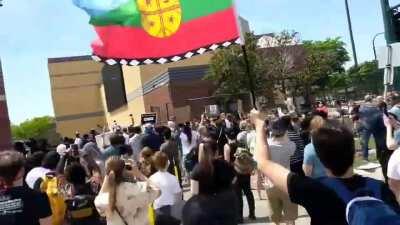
128,167
129,164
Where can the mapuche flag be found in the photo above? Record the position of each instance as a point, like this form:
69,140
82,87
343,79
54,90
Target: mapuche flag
137,32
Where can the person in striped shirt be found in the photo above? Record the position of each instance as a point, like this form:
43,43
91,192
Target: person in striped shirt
296,160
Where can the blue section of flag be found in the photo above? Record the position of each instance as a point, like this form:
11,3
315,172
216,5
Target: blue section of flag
99,7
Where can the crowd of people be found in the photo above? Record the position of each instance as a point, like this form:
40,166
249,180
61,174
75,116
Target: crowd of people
197,173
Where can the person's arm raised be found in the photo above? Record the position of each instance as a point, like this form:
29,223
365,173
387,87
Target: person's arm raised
277,174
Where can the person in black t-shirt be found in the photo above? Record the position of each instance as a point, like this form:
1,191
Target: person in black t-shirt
335,148
204,209
211,175
214,201
20,205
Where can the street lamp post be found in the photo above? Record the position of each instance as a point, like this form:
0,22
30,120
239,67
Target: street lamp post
373,44
353,46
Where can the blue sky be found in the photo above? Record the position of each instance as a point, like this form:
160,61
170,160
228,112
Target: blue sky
33,30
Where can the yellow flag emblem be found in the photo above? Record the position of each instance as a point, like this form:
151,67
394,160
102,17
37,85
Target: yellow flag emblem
160,18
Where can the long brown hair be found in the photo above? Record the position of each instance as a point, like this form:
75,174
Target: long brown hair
114,170
207,155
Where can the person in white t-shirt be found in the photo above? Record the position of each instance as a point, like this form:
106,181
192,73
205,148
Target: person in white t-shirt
135,141
281,149
49,164
393,173
171,192
189,139
78,138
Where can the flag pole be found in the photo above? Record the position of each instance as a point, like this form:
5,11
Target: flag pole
248,73
246,59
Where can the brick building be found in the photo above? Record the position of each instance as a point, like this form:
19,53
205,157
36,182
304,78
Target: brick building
87,94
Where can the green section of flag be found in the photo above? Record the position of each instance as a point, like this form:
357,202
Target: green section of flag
129,15
126,15
192,9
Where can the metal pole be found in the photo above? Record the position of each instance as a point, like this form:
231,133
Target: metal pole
251,80
353,46
373,44
387,13
388,77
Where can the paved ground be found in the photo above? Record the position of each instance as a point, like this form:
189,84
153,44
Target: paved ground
263,213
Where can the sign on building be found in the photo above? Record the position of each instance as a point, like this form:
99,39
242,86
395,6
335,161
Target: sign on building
149,118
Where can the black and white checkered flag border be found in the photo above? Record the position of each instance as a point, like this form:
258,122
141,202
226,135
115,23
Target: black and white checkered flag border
148,61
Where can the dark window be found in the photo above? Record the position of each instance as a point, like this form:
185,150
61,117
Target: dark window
114,87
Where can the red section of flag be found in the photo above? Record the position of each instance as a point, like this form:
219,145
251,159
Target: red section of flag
135,43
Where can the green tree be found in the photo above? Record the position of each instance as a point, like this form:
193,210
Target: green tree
33,128
228,69
282,59
323,60
367,77
286,65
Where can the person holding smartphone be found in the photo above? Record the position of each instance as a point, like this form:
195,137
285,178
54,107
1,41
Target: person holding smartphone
122,201
392,124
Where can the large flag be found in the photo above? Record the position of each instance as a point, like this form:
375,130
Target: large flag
134,32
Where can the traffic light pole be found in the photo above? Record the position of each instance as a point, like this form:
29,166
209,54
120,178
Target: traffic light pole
387,15
390,35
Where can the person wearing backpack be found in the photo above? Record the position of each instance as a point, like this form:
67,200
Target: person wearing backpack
49,164
45,179
242,185
342,198
80,202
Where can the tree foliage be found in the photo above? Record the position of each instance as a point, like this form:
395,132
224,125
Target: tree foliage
367,77
33,128
283,59
228,69
288,66
323,59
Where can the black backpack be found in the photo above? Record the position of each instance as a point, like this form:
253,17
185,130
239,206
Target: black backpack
191,160
82,211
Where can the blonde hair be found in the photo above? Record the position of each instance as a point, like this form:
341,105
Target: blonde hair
114,170
317,122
